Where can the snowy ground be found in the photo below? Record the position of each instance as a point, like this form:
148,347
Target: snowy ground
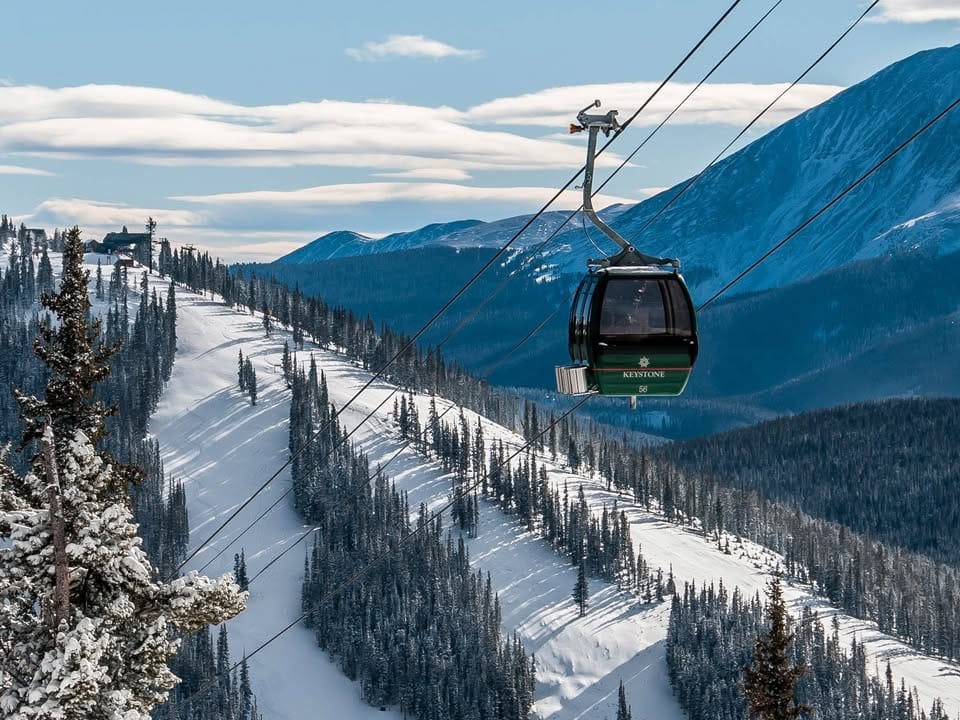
223,448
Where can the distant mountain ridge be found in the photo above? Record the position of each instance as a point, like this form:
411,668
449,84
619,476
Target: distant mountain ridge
346,243
457,234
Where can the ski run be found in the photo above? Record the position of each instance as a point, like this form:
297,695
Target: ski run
223,448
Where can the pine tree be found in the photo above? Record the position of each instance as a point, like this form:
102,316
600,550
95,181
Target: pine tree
170,333
68,349
241,371
581,591
240,570
250,380
287,363
45,276
265,311
99,286
623,710
769,682
102,654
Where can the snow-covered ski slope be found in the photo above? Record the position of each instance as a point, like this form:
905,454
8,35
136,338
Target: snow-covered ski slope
224,448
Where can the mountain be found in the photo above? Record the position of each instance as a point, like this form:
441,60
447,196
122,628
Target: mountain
750,200
888,469
457,234
345,243
860,306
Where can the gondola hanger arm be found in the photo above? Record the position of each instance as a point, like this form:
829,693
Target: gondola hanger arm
594,124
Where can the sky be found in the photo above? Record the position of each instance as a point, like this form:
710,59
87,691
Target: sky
250,128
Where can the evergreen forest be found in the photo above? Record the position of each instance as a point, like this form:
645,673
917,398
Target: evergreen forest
142,327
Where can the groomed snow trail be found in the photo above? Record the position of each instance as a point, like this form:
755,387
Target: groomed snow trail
223,448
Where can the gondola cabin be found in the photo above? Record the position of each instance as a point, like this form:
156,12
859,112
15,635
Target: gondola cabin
632,333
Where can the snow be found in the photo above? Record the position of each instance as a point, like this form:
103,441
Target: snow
224,448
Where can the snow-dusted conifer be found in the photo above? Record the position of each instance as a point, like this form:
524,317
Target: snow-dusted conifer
107,660
250,380
581,590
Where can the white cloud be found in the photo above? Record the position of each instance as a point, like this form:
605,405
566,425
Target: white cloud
717,103
156,126
97,217
428,174
918,11
165,127
20,170
96,214
409,46
314,199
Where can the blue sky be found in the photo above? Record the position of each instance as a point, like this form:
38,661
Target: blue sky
250,128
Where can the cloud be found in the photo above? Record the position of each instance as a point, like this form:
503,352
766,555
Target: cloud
314,199
96,214
156,126
428,174
918,11
98,217
20,170
716,103
165,127
409,46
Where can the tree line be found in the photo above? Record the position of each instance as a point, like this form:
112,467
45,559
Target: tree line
712,638
889,470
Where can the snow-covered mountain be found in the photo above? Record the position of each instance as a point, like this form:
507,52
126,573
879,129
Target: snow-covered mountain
345,243
748,202
752,199
836,284
223,448
458,234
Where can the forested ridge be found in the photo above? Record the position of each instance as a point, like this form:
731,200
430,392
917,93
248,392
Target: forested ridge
909,595
711,639
144,327
889,469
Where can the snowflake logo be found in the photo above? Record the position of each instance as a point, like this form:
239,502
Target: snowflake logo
644,362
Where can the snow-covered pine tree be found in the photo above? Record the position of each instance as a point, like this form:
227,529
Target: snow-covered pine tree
250,380
103,654
265,312
241,371
581,590
769,683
